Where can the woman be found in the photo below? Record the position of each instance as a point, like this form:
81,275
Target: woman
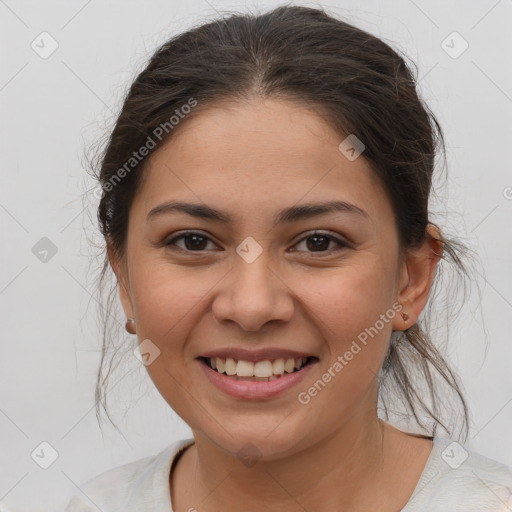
265,210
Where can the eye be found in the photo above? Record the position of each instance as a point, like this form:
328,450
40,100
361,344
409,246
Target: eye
197,242
319,242
193,241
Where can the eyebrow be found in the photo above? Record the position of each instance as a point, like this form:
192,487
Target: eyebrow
288,215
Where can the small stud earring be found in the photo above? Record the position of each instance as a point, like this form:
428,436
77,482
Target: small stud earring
130,325
405,317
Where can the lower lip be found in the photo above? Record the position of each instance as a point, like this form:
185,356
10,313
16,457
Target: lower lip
255,390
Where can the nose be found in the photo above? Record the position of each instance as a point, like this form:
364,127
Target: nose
252,295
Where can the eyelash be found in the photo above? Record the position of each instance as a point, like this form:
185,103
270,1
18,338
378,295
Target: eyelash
332,238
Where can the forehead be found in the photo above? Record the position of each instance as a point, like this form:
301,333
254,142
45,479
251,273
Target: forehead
261,153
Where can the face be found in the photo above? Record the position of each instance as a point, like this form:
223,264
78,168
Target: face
252,278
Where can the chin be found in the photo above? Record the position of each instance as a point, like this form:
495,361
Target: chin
251,443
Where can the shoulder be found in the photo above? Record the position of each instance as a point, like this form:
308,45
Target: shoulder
138,485
458,479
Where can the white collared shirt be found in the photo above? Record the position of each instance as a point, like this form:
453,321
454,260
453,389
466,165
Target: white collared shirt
455,479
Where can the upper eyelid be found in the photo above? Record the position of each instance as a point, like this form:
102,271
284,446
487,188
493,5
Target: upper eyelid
188,233
334,238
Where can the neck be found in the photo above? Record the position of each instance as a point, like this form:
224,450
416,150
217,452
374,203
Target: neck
349,475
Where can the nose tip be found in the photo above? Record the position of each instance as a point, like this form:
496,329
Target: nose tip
253,297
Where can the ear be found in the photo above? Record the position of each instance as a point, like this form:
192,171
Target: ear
417,275
119,267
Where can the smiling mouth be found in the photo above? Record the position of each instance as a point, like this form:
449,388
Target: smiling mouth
260,371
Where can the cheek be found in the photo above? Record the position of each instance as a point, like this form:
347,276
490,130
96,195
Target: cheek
354,313
167,300
342,301
348,300
167,303
351,319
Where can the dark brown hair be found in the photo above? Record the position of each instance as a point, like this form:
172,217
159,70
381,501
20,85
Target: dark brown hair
361,86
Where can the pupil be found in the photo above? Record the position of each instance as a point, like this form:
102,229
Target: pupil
197,239
317,244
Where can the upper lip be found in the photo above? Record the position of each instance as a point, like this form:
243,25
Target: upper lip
255,355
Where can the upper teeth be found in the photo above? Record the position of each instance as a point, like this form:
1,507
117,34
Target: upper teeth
264,368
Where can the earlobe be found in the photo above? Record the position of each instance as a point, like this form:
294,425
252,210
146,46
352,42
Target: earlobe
417,278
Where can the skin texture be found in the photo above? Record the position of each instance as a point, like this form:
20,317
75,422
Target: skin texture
251,159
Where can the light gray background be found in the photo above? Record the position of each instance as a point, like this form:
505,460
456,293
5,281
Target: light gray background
51,109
